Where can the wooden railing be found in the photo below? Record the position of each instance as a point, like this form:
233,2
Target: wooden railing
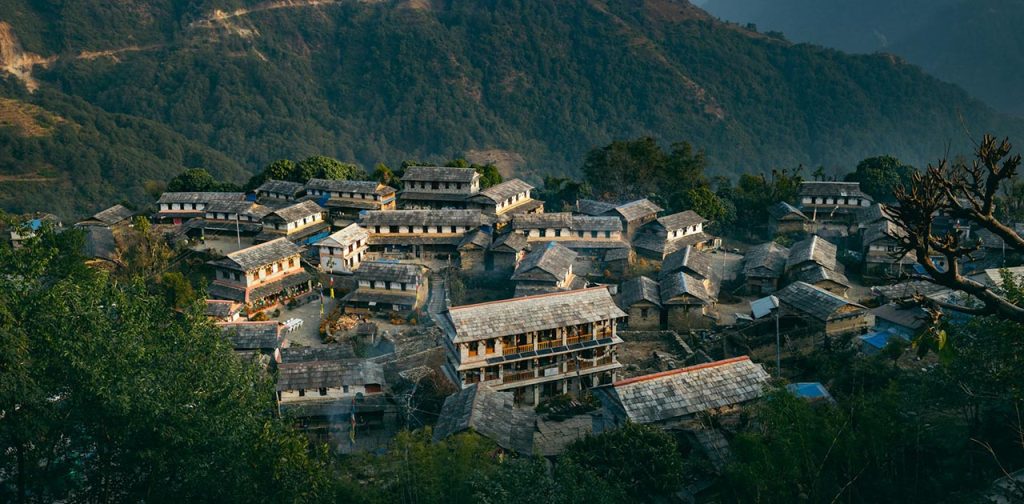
571,365
515,376
549,344
516,349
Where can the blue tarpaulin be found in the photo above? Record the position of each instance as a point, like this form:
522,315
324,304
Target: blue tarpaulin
317,237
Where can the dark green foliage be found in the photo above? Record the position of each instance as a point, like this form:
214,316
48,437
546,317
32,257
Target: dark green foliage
617,455
754,194
198,179
528,480
561,193
110,395
178,289
640,168
878,176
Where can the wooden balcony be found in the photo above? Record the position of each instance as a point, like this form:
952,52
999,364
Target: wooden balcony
517,376
571,365
509,350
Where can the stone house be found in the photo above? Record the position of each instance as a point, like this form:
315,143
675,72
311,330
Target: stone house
295,222
343,251
260,276
832,206
280,192
251,338
548,268
506,251
506,199
784,218
823,311
813,260
344,199
385,287
640,298
474,252
763,267
178,207
665,235
633,214
436,187
536,346
420,233
688,302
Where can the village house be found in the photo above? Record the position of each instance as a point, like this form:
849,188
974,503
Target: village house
784,218
832,206
473,251
255,338
117,215
223,310
537,346
236,218
348,397
633,214
593,238
763,267
879,245
506,251
278,193
260,276
344,199
688,302
178,207
673,399
640,298
343,251
420,233
295,222
438,187
505,199
904,320
823,311
385,287
667,234
690,260
548,268
813,260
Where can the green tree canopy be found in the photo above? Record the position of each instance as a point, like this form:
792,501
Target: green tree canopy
878,176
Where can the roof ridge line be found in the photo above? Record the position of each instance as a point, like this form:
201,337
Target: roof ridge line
687,369
549,294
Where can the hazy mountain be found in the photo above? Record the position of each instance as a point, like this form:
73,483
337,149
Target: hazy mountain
535,82
976,44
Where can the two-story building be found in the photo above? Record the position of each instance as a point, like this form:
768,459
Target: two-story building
344,397
823,311
343,251
260,276
178,207
251,338
665,235
832,207
591,237
278,193
505,199
763,267
536,346
344,199
295,222
420,233
386,287
633,214
548,268
438,187
688,301
234,217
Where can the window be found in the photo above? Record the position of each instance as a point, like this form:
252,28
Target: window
593,234
644,312
302,392
291,262
344,389
392,229
490,347
472,349
238,276
607,234
372,388
323,391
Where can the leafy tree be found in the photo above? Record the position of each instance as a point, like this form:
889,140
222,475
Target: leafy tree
561,193
143,251
282,169
489,175
753,194
613,456
384,175
625,169
192,179
878,176
178,289
707,204
566,483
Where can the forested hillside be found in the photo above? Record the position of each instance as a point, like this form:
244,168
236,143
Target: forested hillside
535,80
976,44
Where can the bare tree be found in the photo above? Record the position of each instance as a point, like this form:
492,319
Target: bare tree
961,191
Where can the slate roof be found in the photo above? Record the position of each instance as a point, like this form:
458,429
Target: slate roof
881,230
907,290
332,352
820,188
815,302
439,174
252,335
817,273
638,289
260,255
591,223
221,309
238,207
634,210
113,215
681,393
682,283
490,414
681,220
912,317
688,259
663,246
874,213
297,211
476,238
782,209
381,297
815,249
447,217
288,188
390,272
593,207
510,242
507,189
350,186
551,220
344,236
328,373
552,258
99,243
199,197
767,257
534,313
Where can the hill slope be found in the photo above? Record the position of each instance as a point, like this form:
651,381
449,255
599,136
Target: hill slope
547,80
976,44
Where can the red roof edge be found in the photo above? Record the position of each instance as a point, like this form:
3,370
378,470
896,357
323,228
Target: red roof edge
681,370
